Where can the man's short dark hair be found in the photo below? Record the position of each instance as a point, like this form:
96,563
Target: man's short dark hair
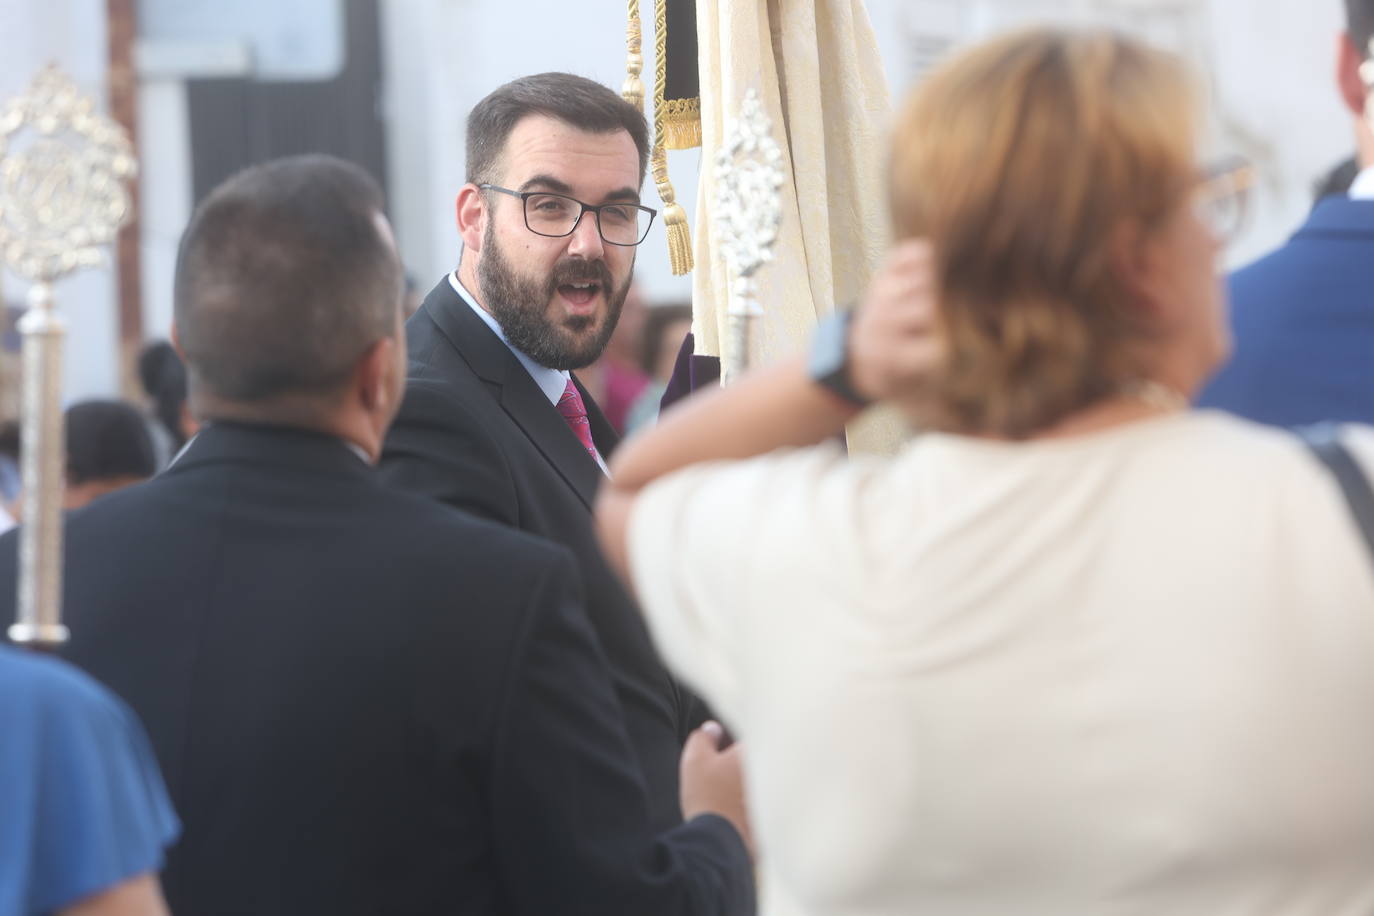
1359,23
163,375
107,440
574,100
284,280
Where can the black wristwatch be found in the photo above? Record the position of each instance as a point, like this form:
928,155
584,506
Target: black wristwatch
828,365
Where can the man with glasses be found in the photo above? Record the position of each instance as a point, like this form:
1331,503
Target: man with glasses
493,421
1303,316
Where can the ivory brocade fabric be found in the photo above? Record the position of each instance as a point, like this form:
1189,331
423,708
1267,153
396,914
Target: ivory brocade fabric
818,72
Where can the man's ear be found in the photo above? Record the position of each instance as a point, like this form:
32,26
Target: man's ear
375,372
1348,81
471,211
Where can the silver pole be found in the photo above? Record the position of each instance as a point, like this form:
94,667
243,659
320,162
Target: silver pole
738,345
736,355
41,462
748,211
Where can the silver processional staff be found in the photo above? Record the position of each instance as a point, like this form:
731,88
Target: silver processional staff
63,168
749,177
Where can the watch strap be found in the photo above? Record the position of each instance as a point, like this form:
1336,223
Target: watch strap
829,364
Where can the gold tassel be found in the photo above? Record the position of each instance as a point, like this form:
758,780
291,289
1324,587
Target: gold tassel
681,123
674,217
633,90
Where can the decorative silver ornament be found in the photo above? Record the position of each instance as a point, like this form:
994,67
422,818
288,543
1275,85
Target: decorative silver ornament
749,178
63,169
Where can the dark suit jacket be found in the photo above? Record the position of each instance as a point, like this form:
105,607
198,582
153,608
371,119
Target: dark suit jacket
476,432
365,702
1303,319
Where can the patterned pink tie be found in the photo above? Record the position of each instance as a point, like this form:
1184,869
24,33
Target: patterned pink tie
575,412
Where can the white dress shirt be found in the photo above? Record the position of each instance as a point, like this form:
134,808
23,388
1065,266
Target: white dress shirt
553,382
1362,188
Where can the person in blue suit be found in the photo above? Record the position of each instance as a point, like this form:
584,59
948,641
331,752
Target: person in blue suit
1303,316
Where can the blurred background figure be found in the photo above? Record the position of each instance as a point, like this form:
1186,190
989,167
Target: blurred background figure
1337,181
1078,649
84,816
665,328
108,448
413,296
164,382
10,482
617,379
1303,315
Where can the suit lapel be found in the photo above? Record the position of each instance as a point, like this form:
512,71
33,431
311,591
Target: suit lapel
549,432
517,393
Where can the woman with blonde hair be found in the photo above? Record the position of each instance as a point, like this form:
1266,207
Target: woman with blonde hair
1078,649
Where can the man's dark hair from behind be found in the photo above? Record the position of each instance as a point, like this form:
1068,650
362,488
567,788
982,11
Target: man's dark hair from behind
163,375
1359,23
107,440
574,100
284,279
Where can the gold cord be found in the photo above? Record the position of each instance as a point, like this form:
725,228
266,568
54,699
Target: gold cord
674,217
633,90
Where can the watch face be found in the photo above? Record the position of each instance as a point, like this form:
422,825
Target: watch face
826,356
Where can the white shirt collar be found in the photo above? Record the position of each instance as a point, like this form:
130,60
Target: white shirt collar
553,382
358,450
1362,188
349,444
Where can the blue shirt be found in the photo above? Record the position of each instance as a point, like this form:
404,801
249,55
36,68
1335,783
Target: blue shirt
82,804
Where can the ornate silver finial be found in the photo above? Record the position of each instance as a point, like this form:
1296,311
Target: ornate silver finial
62,197
748,212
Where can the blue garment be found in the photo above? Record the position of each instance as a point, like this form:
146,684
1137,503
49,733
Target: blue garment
1303,319
82,805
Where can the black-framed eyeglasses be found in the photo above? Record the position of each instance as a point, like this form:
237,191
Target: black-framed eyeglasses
557,215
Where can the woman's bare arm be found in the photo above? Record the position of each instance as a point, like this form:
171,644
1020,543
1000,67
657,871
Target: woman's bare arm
891,350
139,896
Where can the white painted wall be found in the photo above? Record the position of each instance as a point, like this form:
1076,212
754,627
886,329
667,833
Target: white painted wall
167,189
1269,64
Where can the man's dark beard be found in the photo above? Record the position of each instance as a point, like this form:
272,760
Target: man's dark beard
520,305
